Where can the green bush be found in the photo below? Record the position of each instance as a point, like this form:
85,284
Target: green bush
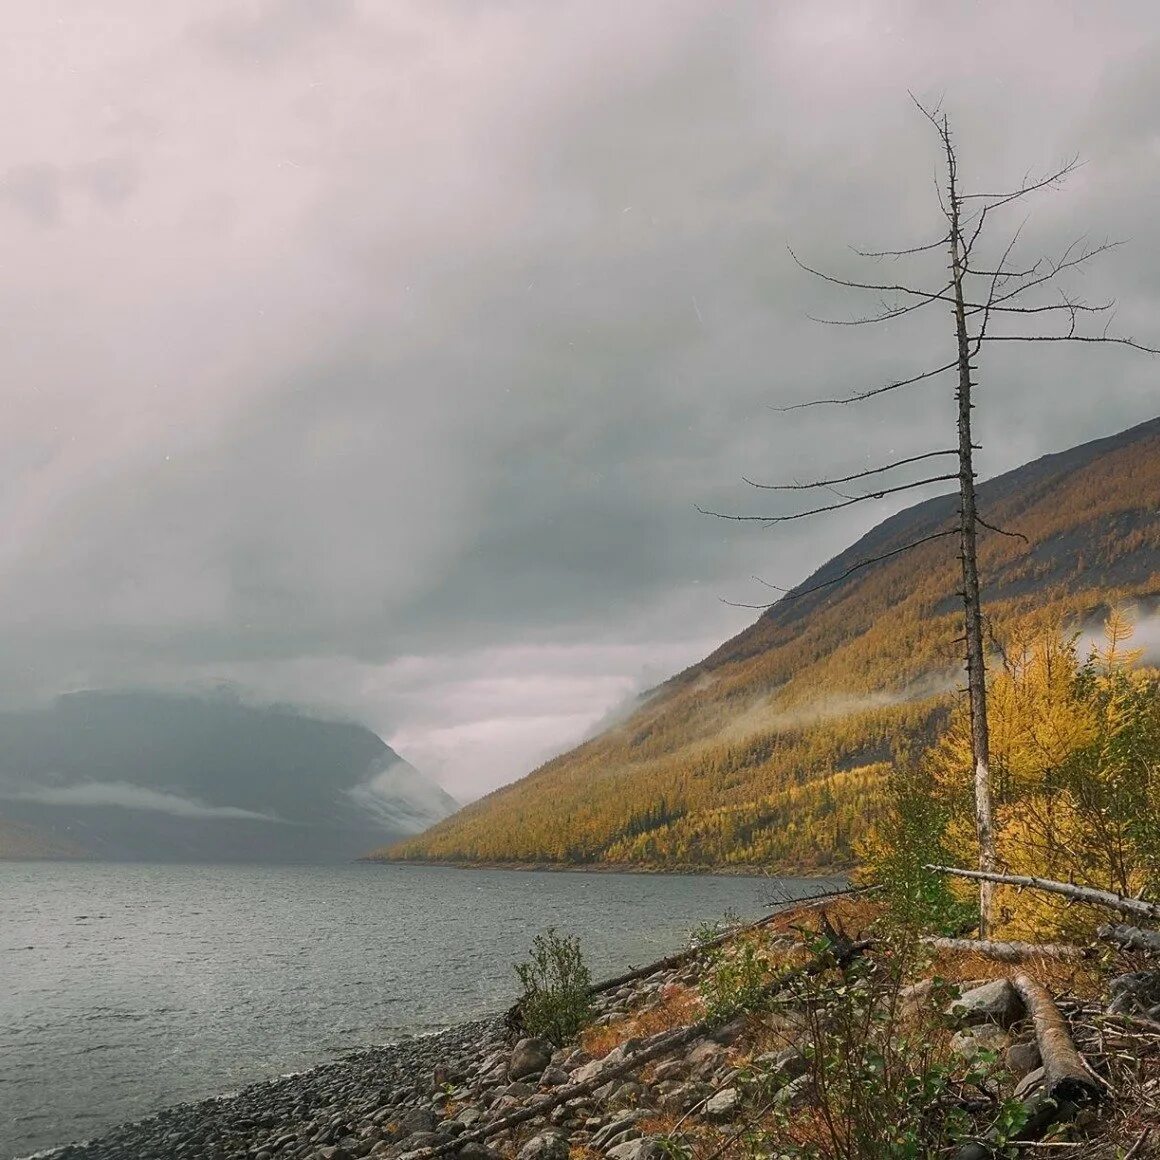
737,982
556,1002
910,836
880,1085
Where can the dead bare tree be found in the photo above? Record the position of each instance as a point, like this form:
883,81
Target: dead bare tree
980,295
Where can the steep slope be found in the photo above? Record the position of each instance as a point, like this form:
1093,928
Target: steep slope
772,749
143,776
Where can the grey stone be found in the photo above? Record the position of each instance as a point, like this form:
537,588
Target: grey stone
731,1032
1022,1058
530,1057
474,1150
614,1127
684,1097
1029,1083
996,1002
985,1037
671,1069
550,1145
1135,991
723,1105
645,1148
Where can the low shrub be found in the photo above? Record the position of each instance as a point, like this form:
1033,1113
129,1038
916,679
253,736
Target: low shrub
556,1001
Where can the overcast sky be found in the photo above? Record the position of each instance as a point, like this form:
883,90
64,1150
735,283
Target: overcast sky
375,356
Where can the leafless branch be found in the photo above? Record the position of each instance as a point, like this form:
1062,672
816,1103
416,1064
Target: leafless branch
888,288
848,478
888,313
944,240
1065,262
829,507
1129,342
872,393
995,200
1002,531
795,593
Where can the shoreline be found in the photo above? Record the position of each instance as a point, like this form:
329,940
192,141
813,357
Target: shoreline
742,871
265,1117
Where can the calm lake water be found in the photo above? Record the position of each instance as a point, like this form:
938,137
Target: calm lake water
126,988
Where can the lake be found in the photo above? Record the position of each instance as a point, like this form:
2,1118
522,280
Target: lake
125,988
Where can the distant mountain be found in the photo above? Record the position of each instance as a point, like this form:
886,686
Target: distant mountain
22,843
132,776
772,750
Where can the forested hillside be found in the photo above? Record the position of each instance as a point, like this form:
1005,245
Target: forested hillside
772,750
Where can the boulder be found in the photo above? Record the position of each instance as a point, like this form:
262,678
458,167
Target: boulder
529,1057
1134,992
475,1150
1022,1058
646,1148
615,1127
684,1097
550,1145
731,1032
671,1069
723,1105
996,1002
985,1037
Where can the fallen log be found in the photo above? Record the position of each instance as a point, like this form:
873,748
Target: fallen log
1065,1075
1010,952
837,955
1068,1083
810,902
1131,938
1088,894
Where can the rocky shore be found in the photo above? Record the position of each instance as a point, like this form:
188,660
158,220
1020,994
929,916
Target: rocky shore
424,1092
659,1067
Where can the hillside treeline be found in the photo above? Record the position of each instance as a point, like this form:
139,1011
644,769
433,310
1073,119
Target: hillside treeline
774,750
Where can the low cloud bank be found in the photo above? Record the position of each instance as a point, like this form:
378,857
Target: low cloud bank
126,796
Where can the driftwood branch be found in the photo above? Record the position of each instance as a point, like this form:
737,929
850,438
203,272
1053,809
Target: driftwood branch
1010,952
1131,938
1087,894
811,902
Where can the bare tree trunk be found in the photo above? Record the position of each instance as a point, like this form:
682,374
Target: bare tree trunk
973,614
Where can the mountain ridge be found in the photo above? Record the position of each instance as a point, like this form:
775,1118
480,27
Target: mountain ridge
133,775
736,760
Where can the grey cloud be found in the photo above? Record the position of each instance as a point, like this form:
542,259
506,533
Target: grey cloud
125,796
424,337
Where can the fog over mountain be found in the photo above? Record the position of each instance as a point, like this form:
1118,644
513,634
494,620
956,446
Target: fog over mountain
374,357
135,776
